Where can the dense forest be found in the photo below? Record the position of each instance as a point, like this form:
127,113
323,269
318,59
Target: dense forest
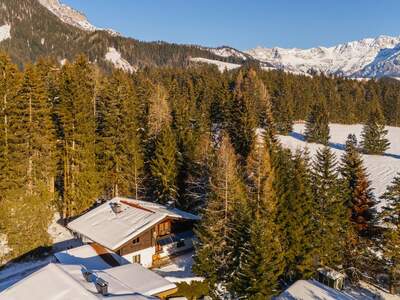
186,137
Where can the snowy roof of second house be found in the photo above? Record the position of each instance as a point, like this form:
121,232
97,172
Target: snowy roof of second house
87,256
311,290
112,230
126,278
55,281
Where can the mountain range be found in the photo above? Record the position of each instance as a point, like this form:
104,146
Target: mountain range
33,28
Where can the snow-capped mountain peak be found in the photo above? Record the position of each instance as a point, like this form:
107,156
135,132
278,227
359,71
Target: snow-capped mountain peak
349,59
71,16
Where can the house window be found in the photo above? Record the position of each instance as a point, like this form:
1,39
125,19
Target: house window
135,241
136,259
180,243
164,228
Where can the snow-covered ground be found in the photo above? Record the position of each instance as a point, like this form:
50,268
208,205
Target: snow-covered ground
381,168
222,66
114,57
62,239
180,270
5,32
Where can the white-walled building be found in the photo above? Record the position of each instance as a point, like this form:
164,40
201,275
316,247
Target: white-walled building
140,231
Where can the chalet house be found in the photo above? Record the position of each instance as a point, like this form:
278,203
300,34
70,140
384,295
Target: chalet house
140,231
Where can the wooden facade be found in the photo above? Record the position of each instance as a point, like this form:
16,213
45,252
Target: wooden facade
149,238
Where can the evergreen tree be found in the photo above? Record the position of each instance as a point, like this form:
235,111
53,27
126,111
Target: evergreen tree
374,139
330,212
164,168
317,125
76,111
31,146
119,147
357,192
390,215
214,249
197,182
242,119
294,213
261,262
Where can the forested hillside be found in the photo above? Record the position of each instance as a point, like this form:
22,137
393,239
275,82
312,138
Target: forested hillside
37,32
186,137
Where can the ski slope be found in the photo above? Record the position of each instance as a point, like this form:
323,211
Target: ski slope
381,168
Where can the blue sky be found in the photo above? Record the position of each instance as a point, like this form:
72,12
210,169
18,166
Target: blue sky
247,23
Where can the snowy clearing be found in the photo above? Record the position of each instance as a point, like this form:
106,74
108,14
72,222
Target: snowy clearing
114,57
5,32
222,66
180,270
381,168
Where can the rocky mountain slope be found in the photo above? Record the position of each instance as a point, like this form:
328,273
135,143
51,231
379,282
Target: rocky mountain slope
364,58
33,28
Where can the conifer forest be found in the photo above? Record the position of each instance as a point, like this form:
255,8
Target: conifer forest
206,142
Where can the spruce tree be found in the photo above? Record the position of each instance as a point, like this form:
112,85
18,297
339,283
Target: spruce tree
317,125
261,262
76,111
119,150
164,168
214,249
357,192
242,118
331,216
294,214
390,215
374,139
31,146
197,182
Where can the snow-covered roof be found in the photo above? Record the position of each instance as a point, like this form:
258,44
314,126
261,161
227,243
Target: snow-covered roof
55,281
128,281
112,230
87,256
134,276
311,290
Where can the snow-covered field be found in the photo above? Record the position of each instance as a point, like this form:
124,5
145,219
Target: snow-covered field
381,168
5,32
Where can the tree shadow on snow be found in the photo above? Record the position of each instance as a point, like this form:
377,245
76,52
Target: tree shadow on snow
337,146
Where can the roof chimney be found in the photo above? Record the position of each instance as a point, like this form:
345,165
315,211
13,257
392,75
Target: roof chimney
87,274
116,207
101,286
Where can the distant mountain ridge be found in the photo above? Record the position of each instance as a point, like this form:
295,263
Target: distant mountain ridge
366,58
33,28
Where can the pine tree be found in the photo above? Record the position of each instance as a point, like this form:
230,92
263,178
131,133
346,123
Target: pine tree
242,118
261,261
390,215
76,110
197,182
119,150
164,168
31,145
294,213
214,249
357,192
317,125
374,139
331,215
9,87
